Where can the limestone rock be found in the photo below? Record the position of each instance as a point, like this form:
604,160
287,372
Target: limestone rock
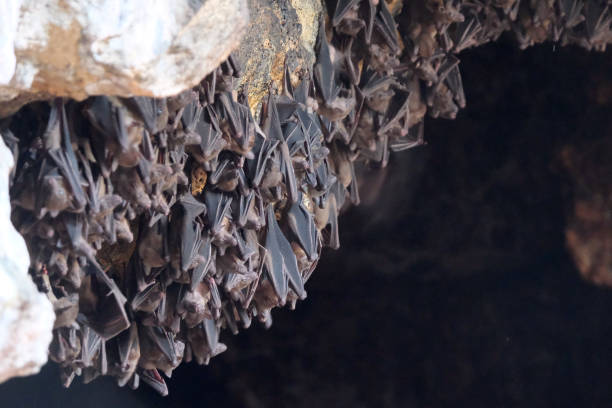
77,48
588,232
26,315
280,32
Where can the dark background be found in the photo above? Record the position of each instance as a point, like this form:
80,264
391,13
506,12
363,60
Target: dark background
453,289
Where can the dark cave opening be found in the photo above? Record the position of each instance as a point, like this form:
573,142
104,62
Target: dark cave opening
453,288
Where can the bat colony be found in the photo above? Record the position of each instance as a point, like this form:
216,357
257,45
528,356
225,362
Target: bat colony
219,218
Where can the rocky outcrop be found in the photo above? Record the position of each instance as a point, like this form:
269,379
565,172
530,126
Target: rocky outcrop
26,316
280,32
77,48
589,224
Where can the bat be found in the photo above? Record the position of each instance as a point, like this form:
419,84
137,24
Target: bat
153,245
245,205
215,297
353,71
128,350
229,263
597,19
193,307
245,249
66,309
190,230
90,344
110,317
345,173
414,138
275,132
398,115
190,115
385,26
64,157
368,9
108,119
218,205
202,269
236,118
226,176
153,112
228,318
301,223
159,349
287,87
212,141
148,299
280,261
300,94
465,34
176,104
286,107
571,11
204,341
324,73
455,85
341,10
209,84
376,90
263,149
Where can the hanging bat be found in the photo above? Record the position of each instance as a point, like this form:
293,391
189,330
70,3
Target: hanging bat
301,223
190,235
128,350
385,26
202,269
280,261
153,112
274,132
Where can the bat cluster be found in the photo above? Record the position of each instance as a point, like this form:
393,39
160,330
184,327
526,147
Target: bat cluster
153,224
156,223
450,26
395,74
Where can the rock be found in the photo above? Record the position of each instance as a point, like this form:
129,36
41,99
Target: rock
26,315
588,232
9,14
76,48
280,32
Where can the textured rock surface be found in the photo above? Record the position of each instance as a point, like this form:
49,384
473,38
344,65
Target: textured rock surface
280,32
26,316
78,48
589,225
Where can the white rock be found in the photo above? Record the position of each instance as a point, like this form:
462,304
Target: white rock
9,13
26,315
78,48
